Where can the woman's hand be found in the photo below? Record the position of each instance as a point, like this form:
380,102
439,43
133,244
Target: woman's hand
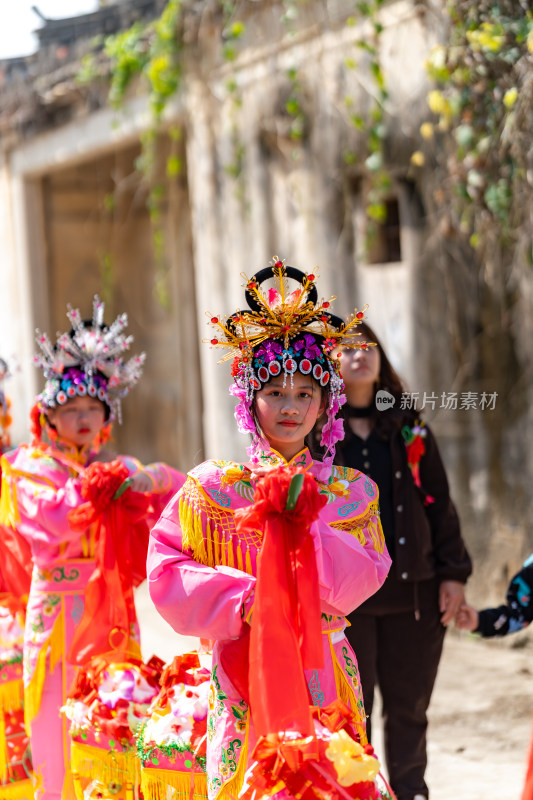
141,482
451,598
467,618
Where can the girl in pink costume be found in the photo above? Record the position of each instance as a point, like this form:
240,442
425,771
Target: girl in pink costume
202,568
57,495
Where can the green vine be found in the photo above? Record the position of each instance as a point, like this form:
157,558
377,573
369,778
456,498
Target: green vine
294,107
481,129
372,124
152,51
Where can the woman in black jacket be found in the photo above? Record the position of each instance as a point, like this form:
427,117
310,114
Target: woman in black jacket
398,633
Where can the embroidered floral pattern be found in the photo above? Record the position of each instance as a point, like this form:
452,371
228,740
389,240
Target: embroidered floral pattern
239,478
213,785
220,695
230,758
50,601
240,713
338,485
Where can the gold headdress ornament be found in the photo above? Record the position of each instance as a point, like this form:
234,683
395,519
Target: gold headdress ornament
282,315
280,333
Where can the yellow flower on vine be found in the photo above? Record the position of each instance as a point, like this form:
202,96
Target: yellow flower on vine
487,37
510,97
439,104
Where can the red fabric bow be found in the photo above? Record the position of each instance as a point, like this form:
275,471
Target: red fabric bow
304,769
121,549
302,765
286,635
336,716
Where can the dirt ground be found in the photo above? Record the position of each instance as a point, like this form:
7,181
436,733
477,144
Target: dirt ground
480,716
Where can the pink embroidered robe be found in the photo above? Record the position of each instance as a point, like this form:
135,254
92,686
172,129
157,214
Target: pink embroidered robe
44,485
201,576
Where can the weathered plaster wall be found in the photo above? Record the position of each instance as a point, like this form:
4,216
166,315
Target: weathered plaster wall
297,199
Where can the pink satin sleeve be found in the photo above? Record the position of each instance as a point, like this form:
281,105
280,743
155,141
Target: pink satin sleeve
43,511
195,599
348,572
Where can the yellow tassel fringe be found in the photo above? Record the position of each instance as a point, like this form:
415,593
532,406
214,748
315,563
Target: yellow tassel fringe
346,693
106,766
11,695
208,543
156,783
18,790
33,692
8,497
3,749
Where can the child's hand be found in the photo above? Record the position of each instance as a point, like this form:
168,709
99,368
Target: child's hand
141,482
260,470
467,618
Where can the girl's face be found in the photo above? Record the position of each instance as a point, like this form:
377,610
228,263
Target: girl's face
79,420
287,414
360,367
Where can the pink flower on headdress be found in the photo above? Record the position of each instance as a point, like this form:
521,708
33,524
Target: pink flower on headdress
332,432
243,409
274,298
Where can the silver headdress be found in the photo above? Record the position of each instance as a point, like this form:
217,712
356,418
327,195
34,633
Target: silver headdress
88,361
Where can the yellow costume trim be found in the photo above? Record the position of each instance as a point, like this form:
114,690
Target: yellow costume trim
208,530
9,514
106,766
11,695
231,788
156,783
346,693
369,520
3,749
18,790
33,692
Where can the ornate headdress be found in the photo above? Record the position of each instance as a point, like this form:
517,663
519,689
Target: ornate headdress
5,417
88,361
280,333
